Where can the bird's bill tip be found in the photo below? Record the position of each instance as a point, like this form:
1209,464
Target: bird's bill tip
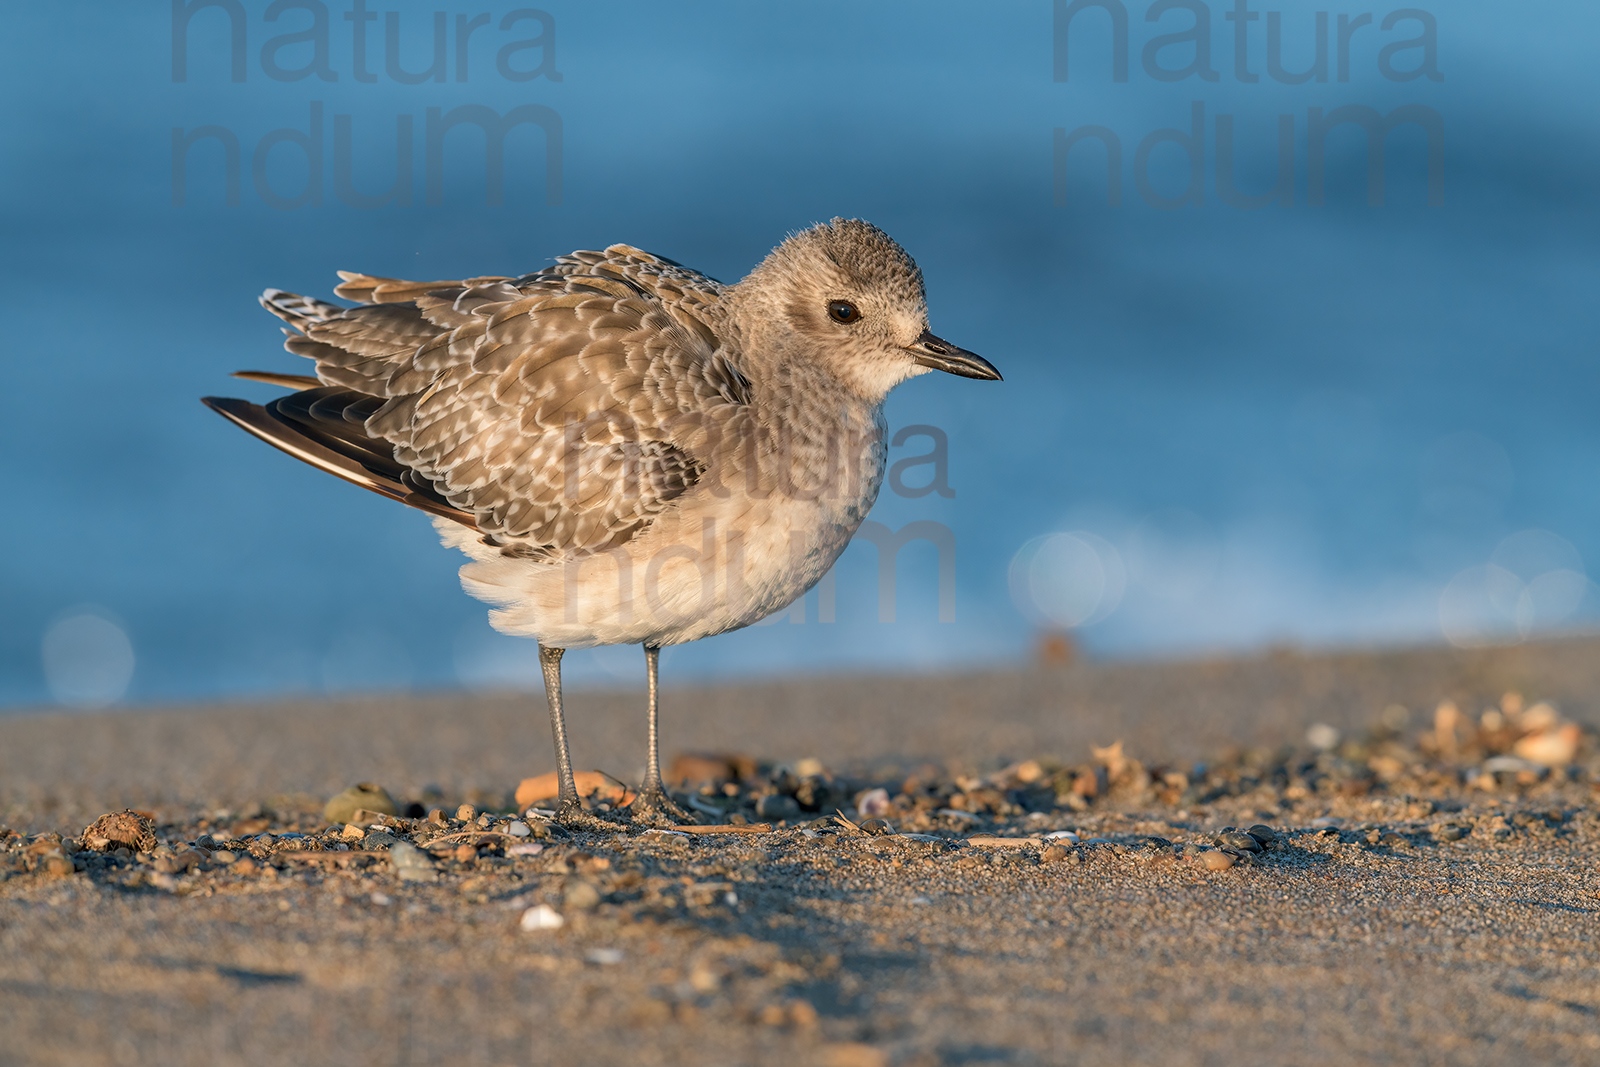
936,353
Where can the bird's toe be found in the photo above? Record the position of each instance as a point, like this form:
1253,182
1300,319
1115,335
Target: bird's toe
654,808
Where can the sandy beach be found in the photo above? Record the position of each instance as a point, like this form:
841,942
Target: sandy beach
1398,885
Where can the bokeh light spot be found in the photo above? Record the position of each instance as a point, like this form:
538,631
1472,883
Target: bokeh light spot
88,659
1067,579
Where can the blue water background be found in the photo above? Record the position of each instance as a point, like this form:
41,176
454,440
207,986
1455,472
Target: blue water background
1294,424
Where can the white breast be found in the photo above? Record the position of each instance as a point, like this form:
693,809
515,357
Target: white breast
728,554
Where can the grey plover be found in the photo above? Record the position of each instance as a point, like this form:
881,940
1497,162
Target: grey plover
627,451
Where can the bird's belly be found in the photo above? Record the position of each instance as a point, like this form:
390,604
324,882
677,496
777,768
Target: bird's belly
693,573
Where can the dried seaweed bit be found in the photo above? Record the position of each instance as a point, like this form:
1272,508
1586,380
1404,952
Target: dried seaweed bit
991,841
127,829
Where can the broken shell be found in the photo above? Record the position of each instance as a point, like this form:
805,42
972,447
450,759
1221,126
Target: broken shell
873,803
541,917
364,796
120,829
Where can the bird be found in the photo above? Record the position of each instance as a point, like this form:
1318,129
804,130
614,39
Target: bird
626,450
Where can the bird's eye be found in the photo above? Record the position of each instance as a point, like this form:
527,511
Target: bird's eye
843,311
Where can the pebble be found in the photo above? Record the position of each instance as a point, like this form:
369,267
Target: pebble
1053,854
1322,736
364,796
527,848
179,862
1216,861
1554,746
56,866
466,813
1237,841
605,957
877,828
778,807
518,828
411,863
697,769
581,896
378,840
1450,831
1262,833
541,917
1512,765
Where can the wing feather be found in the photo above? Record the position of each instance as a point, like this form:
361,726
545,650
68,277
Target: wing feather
558,412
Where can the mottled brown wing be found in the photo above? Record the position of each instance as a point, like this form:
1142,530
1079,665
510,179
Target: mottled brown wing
562,410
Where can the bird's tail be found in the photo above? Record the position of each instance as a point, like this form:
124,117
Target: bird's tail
324,426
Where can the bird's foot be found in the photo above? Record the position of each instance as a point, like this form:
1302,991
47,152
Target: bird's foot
654,808
574,816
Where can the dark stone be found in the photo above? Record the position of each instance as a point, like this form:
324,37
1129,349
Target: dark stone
378,841
1236,841
778,806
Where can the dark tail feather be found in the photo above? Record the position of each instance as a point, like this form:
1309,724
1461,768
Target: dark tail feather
285,381
335,455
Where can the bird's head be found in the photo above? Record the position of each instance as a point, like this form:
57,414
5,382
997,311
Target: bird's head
845,295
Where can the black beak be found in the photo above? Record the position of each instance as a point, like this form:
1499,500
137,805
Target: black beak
939,354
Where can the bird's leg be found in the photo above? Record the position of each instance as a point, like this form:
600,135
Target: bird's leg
653,804
570,811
